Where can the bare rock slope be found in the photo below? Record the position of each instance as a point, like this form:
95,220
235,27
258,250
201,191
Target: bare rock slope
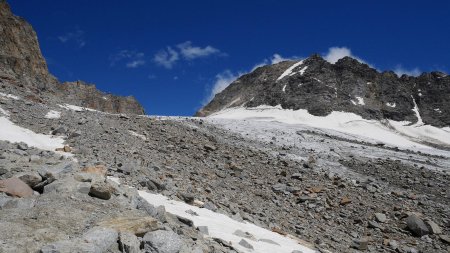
348,85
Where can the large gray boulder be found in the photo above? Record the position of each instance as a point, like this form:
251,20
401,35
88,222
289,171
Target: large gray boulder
162,241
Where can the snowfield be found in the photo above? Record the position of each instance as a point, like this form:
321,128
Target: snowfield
398,134
13,133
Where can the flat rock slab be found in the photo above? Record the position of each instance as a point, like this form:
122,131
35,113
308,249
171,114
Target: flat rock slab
15,187
138,226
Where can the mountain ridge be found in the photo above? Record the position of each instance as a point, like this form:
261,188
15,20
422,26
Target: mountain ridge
347,85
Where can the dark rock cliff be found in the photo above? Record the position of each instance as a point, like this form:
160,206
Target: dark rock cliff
23,66
348,85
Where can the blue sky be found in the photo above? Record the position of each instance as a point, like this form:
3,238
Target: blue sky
171,55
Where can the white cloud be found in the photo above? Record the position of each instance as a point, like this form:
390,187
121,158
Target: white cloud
76,36
336,53
135,64
222,81
190,52
166,58
400,70
132,58
276,58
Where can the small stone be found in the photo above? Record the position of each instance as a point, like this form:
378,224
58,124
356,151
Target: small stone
361,244
445,238
393,244
345,201
186,197
67,149
243,234
434,228
417,226
209,148
203,229
101,190
279,187
380,217
268,241
245,244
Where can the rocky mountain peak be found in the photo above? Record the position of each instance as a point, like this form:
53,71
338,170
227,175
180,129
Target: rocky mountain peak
348,85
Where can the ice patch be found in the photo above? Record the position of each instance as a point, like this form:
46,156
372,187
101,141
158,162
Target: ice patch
77,108
223,227
289,70
53,115
416,111
9,96
13,133
393,105
400,134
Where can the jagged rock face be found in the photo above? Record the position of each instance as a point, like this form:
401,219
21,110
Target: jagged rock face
87,95
348,85
20,56
23,67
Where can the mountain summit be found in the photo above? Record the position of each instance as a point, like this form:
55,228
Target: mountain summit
348,85
23,68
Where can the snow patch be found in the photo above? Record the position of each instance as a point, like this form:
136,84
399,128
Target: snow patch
393,105
438,110
284,88
400,134
9,96
53,115
289,70
223,227
13,133
360,101
416,111
77,108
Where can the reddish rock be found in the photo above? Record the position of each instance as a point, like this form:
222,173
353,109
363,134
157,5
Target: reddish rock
15,187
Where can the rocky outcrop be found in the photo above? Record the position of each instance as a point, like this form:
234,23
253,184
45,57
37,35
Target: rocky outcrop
87,95
23,66
348,85
20,55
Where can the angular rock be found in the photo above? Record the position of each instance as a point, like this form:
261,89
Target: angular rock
129,243
31,178
360,244
203,229
433,227
380,217
245,244
15,187
162,241
101,190
416,225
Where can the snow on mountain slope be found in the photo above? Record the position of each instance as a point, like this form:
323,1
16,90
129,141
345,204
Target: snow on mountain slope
225,228
401,134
